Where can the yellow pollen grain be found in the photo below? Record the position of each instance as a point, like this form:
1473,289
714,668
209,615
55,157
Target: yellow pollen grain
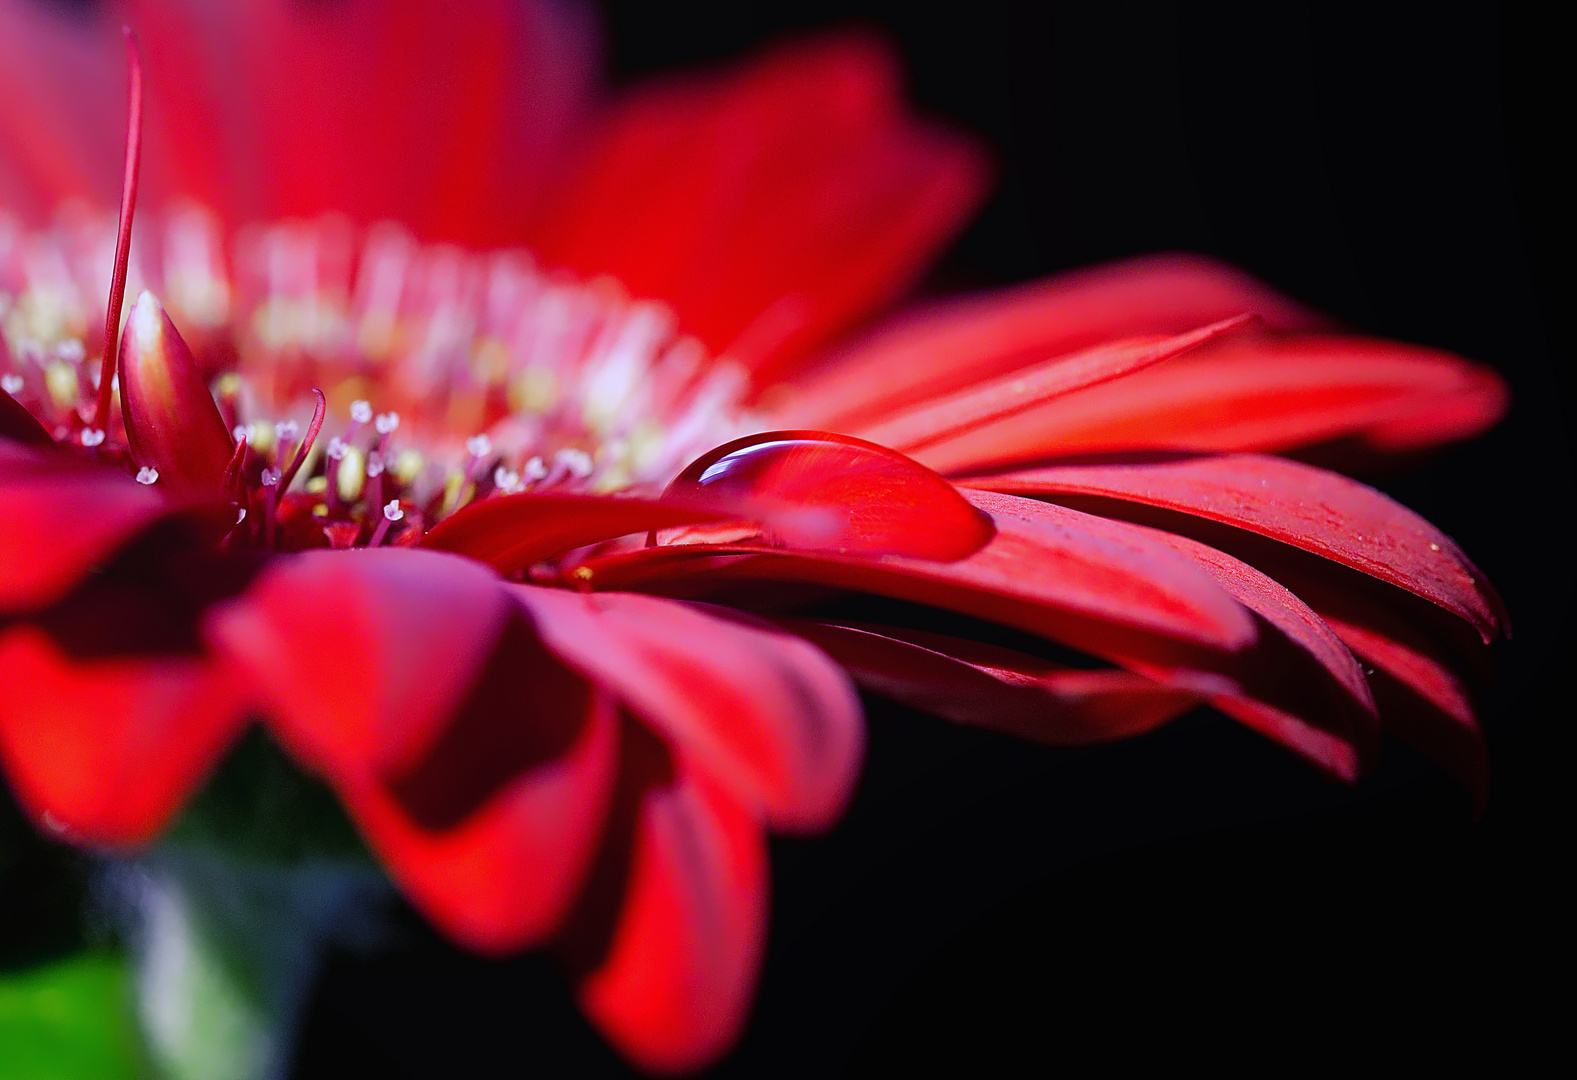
352,474
227,386
581,574
457,491
533,391
408,464
320,510
317,485
260,436
60,379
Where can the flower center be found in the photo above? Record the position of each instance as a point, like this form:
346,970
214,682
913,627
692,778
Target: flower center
447,376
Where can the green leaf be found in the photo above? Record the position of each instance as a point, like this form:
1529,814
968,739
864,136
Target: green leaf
69,1020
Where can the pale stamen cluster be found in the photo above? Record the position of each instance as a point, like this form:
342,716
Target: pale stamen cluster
494,377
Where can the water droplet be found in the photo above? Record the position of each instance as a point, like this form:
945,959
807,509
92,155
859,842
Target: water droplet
884,503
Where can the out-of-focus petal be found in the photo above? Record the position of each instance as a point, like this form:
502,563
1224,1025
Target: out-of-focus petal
969,682
1250,392
1309,508
670,975
61,518
104,751
770,204
763,711
16,423
477,765
951,345
264,109
1025,388
362,655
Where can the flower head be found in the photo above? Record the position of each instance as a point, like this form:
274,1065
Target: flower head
525,550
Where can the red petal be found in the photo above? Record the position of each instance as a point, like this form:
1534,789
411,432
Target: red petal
672,989
478,766
61,518
770,204
954,414
363,655
1251,393
513,531
763,711
1330,719
1100,586
491,828
105,751
986,686
1309,508
953,345
876,501
172,423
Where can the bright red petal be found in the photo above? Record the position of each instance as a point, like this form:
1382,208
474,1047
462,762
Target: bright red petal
104,751
1318,511
766,713
987,686
672,988
1100,586
61,518
771,204
980,405
949,347
479,767
514,531
1325,712
363,656
1250,393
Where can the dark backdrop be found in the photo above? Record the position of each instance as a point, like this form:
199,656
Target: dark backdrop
1196,894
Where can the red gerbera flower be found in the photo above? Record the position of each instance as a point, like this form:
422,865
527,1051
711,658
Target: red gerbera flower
521,551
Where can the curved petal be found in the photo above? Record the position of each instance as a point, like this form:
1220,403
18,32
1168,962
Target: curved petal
982,404
1249,393
263,109
949,346
61,518
513,531
104,751
987,686
770,204
364,655
1309,508
478,767
1100,586
763,711
669,977
1322,710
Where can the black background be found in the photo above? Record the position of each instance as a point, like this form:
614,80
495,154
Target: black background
1196,895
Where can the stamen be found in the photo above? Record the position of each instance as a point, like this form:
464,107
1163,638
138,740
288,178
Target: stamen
535,470
391,514
576,462
319,412
506,481
92,436
147,475
270,477
480,446
231,479
374,464
386,423
361,411
11,383
128,203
